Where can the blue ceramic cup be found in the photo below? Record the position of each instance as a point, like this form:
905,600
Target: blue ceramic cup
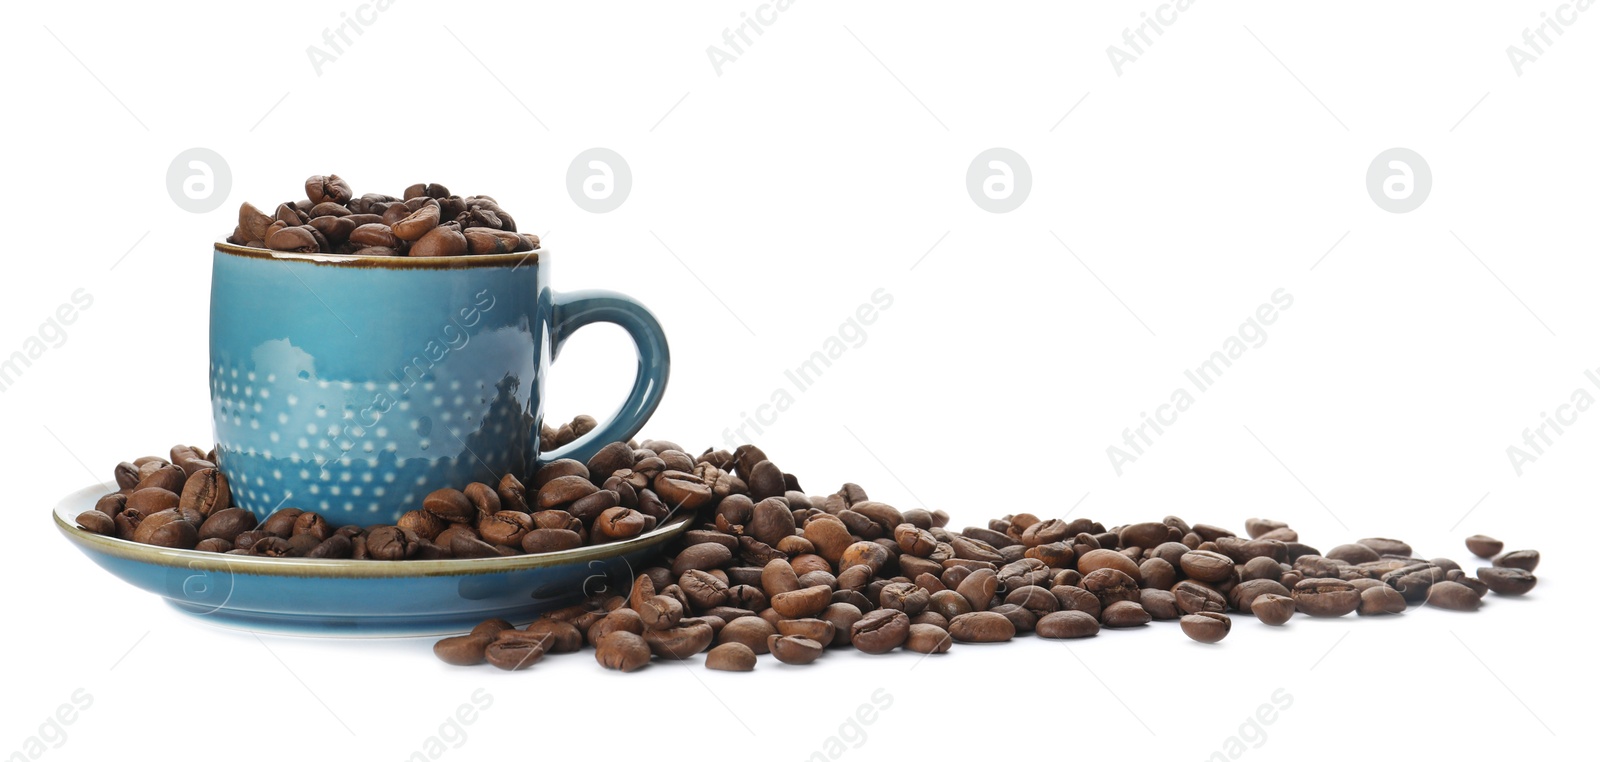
354,386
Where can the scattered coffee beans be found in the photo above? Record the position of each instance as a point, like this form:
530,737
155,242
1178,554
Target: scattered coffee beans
426,221
768,568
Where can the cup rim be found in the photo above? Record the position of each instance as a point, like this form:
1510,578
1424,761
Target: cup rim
384,262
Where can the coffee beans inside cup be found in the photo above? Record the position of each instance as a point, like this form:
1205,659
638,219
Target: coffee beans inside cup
427,220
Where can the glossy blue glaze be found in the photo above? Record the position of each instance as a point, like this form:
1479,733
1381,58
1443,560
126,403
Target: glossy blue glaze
355,386
331,597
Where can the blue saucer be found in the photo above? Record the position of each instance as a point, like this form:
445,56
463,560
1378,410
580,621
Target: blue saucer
343,597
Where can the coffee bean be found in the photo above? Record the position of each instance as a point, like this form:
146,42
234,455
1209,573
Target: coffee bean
1272,608
559,637
206,491
1111,586
907,597
463,650
977,589
1324,597
843,617
819,630
1526,560
97,522
1381,599
794,649
928,639
880,631
1124,614
731,657
227,524
1507,580
982,627
1206,626
550,540
1194,597
514,649
1484,546
622,650
1386,547
1160,604
1067,624
679,642
1453,596
802,603
1206,566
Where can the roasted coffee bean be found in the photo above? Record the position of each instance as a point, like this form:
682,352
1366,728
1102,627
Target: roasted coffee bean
982,627
97,522
843,617
751,631
1484,546
1111,586
622,650
1160,604
391,544
206,491
1387,547
907,597
880,631
1507,580
1206,566
1526,560
1272,608
1124,614
1381,599
1067,624
1326,597
731,657
463,650
227,524
793,649
928,639
1453,596
1206,626
806,602
1073,598
561,637
619,523
679,642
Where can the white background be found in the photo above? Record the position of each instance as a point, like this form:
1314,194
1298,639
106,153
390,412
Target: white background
826,161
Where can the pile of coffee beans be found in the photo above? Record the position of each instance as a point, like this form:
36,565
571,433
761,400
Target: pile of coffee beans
426,221
770,569
183,501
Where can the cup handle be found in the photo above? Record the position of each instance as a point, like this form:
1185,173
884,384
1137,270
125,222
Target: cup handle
580,308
